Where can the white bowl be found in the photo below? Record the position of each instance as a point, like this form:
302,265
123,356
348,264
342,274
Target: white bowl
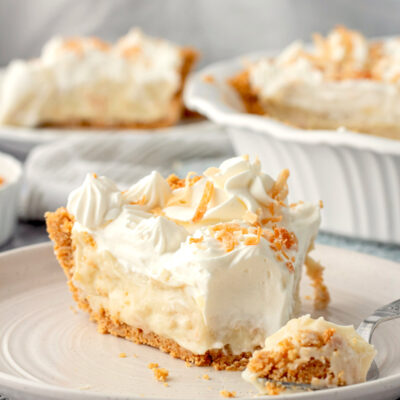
11,172
356,175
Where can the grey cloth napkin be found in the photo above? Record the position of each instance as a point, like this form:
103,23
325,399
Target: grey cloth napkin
53,170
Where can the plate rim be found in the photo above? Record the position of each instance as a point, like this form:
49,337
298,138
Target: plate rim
20,134
23,386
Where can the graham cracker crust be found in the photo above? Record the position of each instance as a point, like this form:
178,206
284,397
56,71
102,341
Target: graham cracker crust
302,118
59,226
284,365
241,83
176,109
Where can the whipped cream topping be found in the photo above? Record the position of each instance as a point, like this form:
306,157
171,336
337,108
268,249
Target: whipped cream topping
97,201
342,46
347,354
152,191
215,235
353,81
87,79
240,190
387,66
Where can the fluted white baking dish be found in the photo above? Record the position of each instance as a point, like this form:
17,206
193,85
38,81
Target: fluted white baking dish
11,174
356,175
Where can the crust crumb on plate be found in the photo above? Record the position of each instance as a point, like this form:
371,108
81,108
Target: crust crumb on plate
227,394
315,272
161,374
274,388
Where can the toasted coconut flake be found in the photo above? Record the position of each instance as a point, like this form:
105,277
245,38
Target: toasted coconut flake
195,240
251,241
292,205
192,178
205,199
100,44
279,190
284,254
139,202
225,233
271,219
290,266
175,182
280,240
271,208
208,78
321,204
73,44
285,238
132,51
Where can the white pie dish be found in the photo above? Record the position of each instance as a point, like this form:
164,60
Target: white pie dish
11,172
356,175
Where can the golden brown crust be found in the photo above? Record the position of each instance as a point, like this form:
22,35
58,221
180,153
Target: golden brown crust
315,270
241,83
175,113
59,227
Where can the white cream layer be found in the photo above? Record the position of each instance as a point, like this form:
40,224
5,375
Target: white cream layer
294,80
242,296
85,79
349,355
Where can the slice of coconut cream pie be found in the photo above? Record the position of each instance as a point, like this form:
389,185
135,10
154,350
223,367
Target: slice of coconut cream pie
203,268
135,83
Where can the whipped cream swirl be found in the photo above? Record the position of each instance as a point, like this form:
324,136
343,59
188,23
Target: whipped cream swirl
97,201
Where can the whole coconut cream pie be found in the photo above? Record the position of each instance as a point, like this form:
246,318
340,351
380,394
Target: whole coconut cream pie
343,80
135,83
203,268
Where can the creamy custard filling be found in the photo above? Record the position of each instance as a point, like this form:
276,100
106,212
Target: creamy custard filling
211,261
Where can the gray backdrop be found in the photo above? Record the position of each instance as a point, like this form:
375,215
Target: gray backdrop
219,28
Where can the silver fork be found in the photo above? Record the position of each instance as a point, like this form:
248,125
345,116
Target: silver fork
365,330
